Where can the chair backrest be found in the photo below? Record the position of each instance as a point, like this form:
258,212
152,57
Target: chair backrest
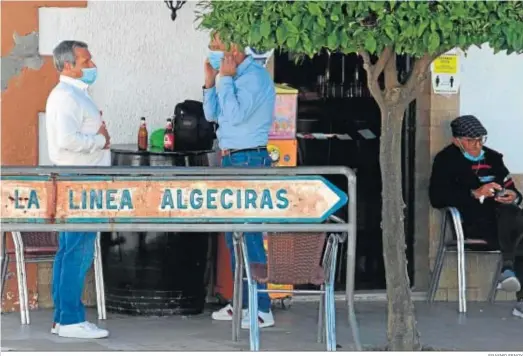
40,242
295,258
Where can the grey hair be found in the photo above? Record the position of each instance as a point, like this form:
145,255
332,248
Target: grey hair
64,52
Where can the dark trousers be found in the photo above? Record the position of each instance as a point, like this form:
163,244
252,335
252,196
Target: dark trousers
510,237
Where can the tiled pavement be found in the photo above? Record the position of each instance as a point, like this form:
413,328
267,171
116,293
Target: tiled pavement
485,328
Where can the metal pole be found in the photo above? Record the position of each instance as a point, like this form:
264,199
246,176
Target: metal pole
175,227
174,172
238,287
5,262
351,261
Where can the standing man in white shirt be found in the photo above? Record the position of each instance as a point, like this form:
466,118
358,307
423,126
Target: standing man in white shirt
77,136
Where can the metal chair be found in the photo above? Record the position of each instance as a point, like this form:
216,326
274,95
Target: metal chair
458,243
293,258
35,247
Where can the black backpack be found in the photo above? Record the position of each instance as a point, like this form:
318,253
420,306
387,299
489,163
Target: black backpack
192,131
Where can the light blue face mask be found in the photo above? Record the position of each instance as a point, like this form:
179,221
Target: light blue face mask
89,75
469,156
215,59
472,158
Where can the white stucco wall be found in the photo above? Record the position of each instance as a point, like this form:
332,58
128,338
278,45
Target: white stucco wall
492,89
146,62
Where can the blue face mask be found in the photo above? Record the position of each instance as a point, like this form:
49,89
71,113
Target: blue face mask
215,59
89,75
472,158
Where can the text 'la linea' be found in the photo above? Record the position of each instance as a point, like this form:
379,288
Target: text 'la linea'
171,199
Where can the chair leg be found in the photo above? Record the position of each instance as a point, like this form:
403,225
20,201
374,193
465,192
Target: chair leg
330,303
4,265
99,280
462,282
320,338
237,288
330,318
438,265
495,280
254,327
254,331
436,274
22,278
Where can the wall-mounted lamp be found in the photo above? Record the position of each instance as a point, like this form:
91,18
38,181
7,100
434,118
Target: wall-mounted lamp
174,8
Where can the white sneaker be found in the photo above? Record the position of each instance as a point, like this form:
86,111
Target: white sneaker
265,320
225,313
518,310
84,330
56,327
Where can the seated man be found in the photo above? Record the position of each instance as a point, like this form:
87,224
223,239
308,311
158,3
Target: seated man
473,178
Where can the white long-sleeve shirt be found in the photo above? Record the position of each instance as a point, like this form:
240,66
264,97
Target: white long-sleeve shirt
72,123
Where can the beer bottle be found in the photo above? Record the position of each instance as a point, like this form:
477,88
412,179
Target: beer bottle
168,137
142,135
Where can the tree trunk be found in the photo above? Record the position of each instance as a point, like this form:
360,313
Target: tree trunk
402,331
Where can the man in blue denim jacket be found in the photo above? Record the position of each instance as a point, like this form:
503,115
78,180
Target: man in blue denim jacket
241,101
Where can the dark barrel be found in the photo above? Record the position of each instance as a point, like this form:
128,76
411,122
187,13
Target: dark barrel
156,273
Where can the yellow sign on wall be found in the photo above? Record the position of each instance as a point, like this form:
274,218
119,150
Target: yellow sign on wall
446,64
446,73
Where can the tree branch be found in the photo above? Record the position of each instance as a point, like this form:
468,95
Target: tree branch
391,73
418,75
383,60
372,79
367,64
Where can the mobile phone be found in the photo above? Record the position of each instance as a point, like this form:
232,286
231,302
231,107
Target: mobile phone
500,193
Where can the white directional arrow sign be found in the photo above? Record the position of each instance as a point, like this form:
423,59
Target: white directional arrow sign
305,199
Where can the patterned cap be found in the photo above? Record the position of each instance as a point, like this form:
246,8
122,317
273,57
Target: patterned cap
467,126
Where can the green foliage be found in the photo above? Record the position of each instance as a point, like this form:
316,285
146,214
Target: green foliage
410,27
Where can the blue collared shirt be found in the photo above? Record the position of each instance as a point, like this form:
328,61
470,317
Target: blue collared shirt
243,106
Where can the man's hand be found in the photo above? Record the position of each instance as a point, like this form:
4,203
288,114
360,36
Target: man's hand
508,198
210,74
228,67
103,131
486,190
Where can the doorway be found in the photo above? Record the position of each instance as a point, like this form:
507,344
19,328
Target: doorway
338,123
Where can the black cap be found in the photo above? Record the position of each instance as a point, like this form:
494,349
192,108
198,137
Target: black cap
467,126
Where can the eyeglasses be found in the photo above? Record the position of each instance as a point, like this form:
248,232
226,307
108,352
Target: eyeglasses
470,141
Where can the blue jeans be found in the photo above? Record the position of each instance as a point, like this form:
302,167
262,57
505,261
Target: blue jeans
73,259
254,240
